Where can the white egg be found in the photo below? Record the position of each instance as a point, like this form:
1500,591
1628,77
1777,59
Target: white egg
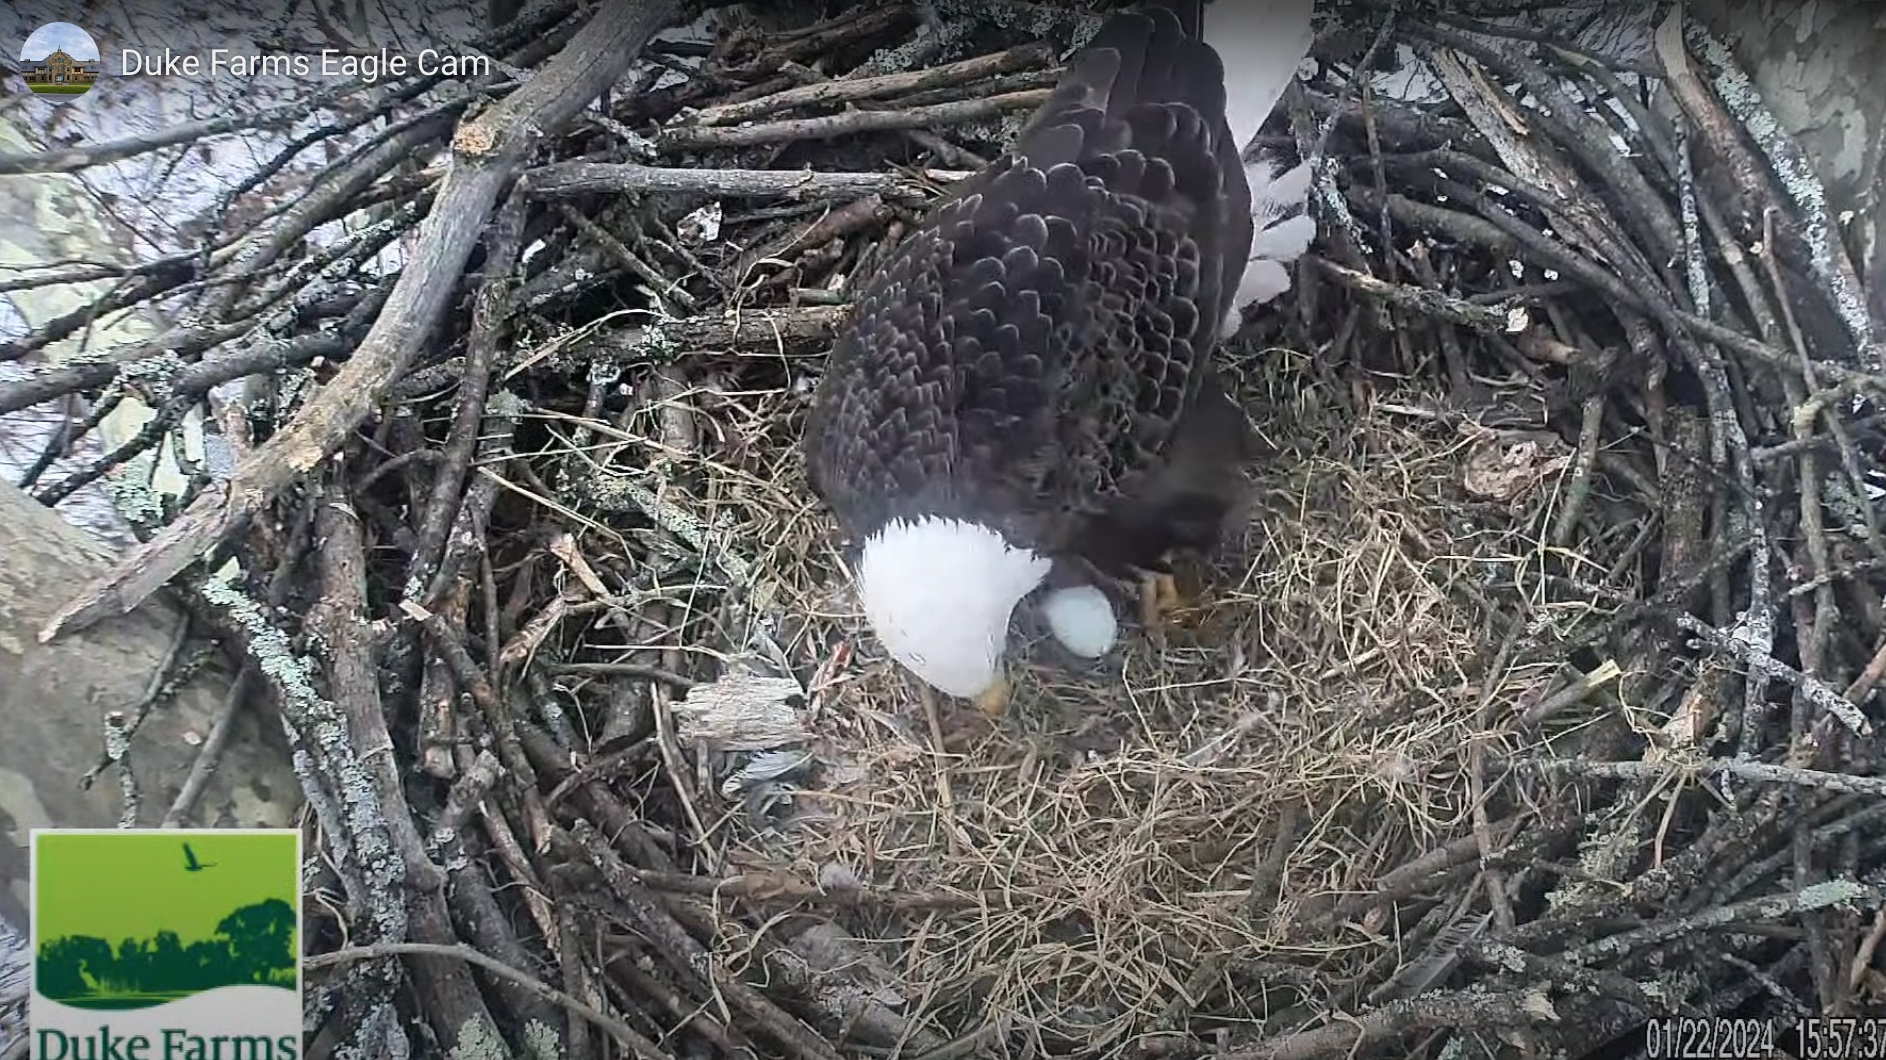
1081,618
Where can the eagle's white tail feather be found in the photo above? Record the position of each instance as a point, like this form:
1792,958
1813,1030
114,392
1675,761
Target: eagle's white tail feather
1284,229
939,593
1274,194
1284,232
1262,42
1263,281
1284,241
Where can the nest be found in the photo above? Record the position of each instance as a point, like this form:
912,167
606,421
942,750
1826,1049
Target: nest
1533,702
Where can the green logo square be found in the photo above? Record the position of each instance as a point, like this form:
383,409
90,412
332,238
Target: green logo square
166,943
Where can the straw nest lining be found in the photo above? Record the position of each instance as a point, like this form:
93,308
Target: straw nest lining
1118,832
1437,766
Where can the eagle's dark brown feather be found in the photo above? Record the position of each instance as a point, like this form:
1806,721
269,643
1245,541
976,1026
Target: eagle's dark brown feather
1027,358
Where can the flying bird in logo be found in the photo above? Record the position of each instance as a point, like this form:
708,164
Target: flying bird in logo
191,864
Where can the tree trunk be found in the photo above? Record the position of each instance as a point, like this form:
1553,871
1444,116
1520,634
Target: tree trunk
1821,68
1818,67
55,698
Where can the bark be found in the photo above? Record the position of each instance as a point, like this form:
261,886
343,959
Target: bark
57,218
54,699
1818,67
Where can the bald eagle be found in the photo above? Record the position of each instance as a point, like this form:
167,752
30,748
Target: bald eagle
1022,400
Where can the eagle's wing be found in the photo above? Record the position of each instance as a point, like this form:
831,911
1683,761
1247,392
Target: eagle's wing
1024,356
1197,488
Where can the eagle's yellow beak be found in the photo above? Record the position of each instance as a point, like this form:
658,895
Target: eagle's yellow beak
994,700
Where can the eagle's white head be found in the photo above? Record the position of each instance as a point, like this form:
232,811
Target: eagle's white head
939,594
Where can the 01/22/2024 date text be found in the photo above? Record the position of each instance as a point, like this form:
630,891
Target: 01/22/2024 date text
1724,1038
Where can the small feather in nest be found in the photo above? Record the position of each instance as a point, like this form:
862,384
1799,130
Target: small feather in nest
1435,964
764,768
760,800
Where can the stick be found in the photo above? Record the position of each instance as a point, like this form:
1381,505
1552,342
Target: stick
1844,783
851,122
636,1044
1826,256
690,956
1755,910
1813,688
71,159
569,179
451,999
856,88
1346,1035
1418,299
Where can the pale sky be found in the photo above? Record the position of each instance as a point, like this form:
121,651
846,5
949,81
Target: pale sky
59,35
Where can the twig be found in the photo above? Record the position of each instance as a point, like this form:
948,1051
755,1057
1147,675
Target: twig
48,383
666,292
1585,463
850,123
502,723
366,859
326,200
505,242
1425,301
626,1035
1827,258
1844,783
1344,1034
1755,910
1813,688
71,159
689,956
211,752
452,1000
846,90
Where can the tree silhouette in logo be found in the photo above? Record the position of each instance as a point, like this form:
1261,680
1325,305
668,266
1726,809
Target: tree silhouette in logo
253,945
261,940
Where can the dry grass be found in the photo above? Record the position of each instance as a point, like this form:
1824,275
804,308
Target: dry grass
1107,843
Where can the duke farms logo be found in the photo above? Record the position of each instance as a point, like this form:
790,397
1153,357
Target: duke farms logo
166,944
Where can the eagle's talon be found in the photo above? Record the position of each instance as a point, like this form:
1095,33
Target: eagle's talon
993,702
1166,595
1159,600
